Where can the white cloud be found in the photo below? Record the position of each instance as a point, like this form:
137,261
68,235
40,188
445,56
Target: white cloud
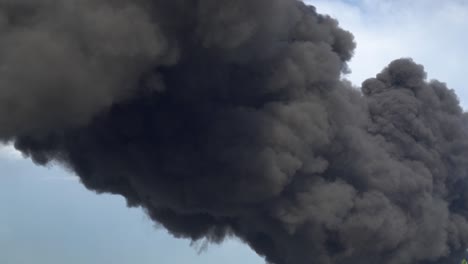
431,32
9,152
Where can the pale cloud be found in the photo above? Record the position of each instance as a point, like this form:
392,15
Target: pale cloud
9,152
430,32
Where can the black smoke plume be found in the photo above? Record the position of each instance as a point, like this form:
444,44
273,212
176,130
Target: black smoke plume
229,118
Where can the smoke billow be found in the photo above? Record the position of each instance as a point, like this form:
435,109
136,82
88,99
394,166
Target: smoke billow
229,118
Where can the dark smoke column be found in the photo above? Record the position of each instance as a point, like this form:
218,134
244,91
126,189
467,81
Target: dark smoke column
229,118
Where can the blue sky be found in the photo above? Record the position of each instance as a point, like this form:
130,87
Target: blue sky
431,32
48,217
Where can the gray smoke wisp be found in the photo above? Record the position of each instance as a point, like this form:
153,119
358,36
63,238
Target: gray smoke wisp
230,118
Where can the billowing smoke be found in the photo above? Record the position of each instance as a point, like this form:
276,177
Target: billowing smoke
229,118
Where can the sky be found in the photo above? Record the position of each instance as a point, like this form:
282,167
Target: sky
48,217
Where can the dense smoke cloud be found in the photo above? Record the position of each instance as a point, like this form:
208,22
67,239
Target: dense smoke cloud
227,117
